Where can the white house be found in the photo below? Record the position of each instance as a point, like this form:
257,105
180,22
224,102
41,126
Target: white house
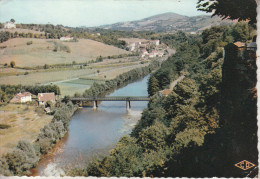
66,38
132,46
9,25
144,53
22,98
156,42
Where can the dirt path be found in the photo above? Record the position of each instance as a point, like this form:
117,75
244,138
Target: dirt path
174,83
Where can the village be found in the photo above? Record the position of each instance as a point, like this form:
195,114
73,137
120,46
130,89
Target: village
146,48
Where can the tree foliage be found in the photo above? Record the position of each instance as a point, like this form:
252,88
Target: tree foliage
230,9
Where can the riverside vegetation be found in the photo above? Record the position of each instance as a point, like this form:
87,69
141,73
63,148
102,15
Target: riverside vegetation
132,75
26,154
173,136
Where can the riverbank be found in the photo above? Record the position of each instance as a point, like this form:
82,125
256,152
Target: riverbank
125,78
27,154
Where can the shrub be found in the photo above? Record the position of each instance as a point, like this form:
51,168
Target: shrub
18,162
2,47
45,145
4,126
46,66
29,42
29,151
4,168
12,64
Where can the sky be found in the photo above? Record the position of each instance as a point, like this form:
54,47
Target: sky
90,13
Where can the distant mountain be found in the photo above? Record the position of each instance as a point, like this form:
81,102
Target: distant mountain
169,22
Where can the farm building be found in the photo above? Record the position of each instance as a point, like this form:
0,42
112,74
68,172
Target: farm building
66,38
44,97
22,98
9,25
132,46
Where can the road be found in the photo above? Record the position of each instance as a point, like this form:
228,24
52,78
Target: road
174,83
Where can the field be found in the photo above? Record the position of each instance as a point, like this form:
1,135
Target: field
70,78
41,52
25,124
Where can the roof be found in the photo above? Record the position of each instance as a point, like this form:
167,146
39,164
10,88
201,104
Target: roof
165,92
44,97
24,94
8,22
239,44
252,45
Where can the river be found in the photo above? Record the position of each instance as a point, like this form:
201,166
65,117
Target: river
94,132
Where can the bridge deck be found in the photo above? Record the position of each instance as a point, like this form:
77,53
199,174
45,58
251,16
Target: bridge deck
113,98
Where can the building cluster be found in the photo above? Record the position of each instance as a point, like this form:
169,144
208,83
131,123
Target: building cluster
42,98
9,25
147,49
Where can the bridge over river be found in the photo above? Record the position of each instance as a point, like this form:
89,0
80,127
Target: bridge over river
95,100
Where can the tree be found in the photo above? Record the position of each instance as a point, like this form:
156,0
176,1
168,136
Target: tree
241,32
153,86
230,9
12,64
12,20
66,99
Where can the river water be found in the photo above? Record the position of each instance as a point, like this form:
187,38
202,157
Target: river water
94,133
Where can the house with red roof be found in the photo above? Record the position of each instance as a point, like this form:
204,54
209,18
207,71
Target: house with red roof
22,97
44,97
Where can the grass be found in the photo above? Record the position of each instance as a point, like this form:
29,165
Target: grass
41,52
70,88
23,122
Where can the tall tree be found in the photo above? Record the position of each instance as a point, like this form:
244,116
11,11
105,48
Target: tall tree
153,86
12,20
230,9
